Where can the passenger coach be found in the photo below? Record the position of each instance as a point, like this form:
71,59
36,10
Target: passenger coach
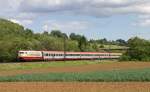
61,55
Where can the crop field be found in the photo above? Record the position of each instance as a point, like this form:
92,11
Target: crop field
71,76
74,87
12,69
137,75
88,71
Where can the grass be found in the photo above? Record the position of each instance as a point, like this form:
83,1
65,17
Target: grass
138,75
35,65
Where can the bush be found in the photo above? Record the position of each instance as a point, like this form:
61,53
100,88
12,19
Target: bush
139,50
125,58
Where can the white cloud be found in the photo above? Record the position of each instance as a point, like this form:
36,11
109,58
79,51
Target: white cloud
87,7
22,22
45,27
8,6
96,8
15,21
26,11
22,15
143,21
66,26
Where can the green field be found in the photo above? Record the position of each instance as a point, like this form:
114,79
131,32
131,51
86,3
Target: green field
138,75
114,47
35,65
82,71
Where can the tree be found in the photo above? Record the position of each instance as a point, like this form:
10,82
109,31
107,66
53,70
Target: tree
139,50
74,36
121,42
45,33
102,41
95,47
57,33
82,43
64,36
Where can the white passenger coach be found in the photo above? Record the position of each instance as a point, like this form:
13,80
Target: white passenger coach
61,55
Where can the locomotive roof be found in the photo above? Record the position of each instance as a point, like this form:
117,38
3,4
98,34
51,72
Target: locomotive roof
61,52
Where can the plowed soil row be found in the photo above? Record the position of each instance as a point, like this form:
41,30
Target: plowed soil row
83,68
74,87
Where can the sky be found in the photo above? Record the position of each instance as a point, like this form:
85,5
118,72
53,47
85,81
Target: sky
96,19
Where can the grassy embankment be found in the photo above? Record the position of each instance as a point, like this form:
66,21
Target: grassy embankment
35,65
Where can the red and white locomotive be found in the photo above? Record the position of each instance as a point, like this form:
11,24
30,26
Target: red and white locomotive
61,55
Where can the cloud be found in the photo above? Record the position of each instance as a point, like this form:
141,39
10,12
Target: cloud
15,21
9,6
46,27
28,10
22,22
96,8
66,26
143,21
27,16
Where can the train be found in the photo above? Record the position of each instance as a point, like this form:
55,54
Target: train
64,55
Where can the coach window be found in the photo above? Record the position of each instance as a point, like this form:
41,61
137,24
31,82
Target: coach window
21,52
46,54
